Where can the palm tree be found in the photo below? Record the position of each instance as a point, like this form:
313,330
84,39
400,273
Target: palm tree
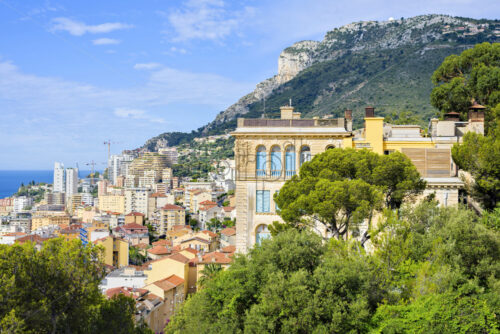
209,271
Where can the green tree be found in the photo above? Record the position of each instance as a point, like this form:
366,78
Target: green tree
480,155
340,188
209,272
472,75
54,289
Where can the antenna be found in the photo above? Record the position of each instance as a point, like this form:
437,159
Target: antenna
290,102
264,111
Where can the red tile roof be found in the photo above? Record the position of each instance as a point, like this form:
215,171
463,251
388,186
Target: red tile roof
159,250
215,257
14,234
158,195
172,207
228,208
33,238
134,213
229,231
162,242
191,250
169,282
133,226
210,233
207,202
196,238
178,257
129,292
229,249
181,227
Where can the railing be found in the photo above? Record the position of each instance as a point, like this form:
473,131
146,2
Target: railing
289,173
260,172
276,172
259,122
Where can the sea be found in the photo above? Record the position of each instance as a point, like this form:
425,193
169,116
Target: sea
10,180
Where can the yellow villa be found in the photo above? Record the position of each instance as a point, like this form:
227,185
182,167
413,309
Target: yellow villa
270,151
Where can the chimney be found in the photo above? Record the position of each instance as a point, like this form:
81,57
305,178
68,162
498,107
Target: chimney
369,112
348,119
452,116
286,112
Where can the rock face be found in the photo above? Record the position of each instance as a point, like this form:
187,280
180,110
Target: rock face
429,31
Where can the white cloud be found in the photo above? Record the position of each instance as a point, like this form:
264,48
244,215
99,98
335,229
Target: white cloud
206,20
146,66
105,41
77,28
178,50
132,113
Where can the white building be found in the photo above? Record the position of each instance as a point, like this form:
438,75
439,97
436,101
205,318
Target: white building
59,178
87,199
136,200
22,202
71,181
118,165
126,276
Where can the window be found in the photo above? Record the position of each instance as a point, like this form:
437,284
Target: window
305,154
261,233
262,201
290,160
276,161
330,147
260,167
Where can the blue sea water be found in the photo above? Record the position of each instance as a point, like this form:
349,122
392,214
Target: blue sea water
10,180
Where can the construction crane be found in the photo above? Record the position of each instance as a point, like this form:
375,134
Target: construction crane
93,164
109,142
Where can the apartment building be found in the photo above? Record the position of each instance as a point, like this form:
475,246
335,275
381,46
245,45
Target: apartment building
171,215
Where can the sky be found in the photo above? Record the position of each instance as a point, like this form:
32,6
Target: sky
74,74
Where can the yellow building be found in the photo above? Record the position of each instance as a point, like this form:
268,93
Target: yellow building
270,151
171,215
41,221
171,289
112,203
175,264
115,251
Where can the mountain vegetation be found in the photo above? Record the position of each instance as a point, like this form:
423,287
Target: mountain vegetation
385,64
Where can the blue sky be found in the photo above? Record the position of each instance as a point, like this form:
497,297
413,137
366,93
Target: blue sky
76,73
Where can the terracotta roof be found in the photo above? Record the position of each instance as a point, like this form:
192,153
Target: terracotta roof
180,227
159,250
129,292
33,238
210,233
142,245
162,242
178,257
215,257
169,282
134,213
14,234
229,249
172,207
476,105
196,238
229,231
228,208
158,195
207,207
207,202
191,250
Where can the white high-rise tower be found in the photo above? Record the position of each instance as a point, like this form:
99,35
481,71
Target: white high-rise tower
71,181
59,178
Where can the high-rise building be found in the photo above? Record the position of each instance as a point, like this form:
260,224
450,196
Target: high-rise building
59,178
71,181
118,165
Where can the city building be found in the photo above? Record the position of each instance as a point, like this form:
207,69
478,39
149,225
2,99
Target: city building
115,251
132,233
126,276
22,203
270,151
171,215
55,198
136,200
59,185
112,203
71,181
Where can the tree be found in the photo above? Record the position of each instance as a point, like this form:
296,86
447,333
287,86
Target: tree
472,75
53,290
209,272
480,155
341,188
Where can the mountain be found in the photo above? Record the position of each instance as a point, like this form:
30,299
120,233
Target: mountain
385,64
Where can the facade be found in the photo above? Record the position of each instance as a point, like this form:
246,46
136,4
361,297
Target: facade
59,178
132,233
115,251
112,203
54,198
270,151
126,276
171,215
21,203
136,200
71,181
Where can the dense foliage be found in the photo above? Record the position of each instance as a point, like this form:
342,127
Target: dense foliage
437,271
340,188
55,290
474,75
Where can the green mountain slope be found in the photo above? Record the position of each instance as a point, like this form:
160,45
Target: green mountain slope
384,64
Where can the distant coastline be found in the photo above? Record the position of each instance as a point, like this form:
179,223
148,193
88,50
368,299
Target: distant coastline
10,180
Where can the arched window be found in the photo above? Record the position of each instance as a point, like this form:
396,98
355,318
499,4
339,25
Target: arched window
330,146
261,233
260,166
276,161
305,154
290,160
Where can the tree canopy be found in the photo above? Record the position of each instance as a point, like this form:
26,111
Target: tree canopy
437,271
340,188
56,289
